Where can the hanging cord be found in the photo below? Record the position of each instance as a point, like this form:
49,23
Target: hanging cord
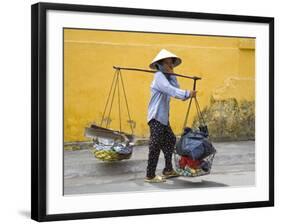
119,106
123,87
117,79
189,105
200,112
104,111
115,84
187,114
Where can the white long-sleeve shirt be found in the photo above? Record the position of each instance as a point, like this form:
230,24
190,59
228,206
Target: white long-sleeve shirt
162,90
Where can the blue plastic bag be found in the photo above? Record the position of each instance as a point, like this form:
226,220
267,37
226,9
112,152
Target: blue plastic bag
194,144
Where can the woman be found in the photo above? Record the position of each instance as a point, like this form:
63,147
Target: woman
162,137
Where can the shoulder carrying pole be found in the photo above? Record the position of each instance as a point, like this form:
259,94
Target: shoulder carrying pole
194,78
153,71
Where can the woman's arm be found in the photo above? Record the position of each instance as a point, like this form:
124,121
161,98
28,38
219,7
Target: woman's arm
162,84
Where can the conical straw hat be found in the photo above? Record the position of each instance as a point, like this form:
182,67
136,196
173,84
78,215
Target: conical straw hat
164,54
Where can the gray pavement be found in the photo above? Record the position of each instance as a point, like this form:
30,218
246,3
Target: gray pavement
234,165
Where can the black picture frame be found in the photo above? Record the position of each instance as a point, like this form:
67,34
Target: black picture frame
39,114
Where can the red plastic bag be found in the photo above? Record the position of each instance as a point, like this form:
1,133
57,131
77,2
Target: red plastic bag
187,161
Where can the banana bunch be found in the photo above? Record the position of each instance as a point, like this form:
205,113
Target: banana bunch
109,155
189,172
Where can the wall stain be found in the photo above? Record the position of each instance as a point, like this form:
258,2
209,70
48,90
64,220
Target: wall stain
229,119
233,83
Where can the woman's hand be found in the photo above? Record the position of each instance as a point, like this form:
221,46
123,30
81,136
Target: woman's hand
192,93
168,65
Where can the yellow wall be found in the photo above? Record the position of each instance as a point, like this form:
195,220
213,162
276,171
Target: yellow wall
227,66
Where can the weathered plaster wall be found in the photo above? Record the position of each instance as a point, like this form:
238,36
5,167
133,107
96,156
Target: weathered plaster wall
226,65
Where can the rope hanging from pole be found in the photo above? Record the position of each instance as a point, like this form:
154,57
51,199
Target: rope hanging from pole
126,101
117,81
107,101
112,100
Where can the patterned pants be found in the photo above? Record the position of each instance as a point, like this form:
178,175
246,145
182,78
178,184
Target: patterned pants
161,137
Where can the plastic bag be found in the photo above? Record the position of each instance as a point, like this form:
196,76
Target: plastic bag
194,144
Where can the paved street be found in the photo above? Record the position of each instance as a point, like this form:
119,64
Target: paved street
234,165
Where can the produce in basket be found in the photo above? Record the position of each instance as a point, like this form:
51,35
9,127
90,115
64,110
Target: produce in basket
108,150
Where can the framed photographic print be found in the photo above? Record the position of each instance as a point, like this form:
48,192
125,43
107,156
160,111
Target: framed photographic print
144,111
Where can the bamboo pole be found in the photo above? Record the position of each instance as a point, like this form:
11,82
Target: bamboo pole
153,71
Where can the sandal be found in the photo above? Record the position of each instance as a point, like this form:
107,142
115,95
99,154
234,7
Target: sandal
156,179
170,174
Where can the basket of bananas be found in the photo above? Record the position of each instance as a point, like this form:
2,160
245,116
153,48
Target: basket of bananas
111,151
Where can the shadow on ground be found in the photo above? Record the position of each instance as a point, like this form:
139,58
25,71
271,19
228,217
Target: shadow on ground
178,183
